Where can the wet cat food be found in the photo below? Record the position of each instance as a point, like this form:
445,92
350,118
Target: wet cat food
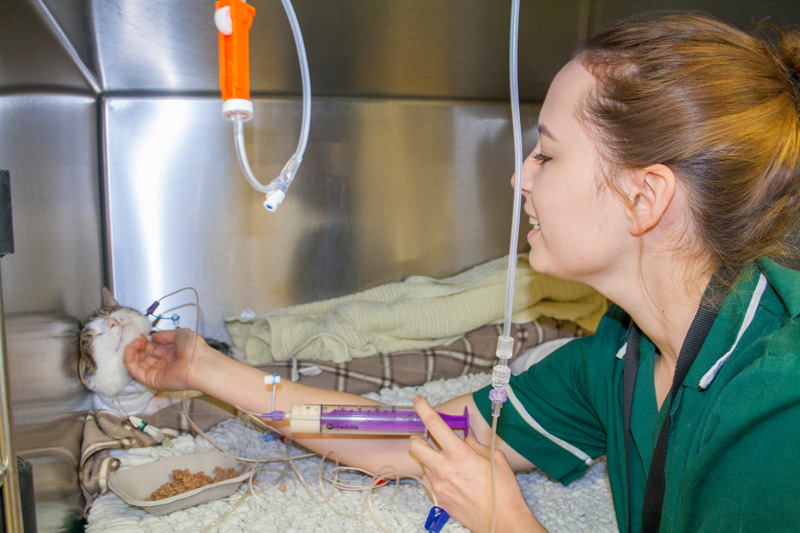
184,481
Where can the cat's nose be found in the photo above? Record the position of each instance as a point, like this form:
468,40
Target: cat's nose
111,322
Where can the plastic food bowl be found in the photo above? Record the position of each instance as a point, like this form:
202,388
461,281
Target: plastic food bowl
134,485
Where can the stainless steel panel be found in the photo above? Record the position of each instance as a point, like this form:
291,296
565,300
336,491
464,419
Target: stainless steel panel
387,189
355,47
31,57
49,145
37,342
48,142
48,401
53,449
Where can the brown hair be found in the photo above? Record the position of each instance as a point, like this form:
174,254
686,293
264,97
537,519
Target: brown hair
720,108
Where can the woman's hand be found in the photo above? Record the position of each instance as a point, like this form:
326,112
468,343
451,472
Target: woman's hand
459,474
164,363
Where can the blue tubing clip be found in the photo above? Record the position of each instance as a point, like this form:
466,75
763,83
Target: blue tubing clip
437,517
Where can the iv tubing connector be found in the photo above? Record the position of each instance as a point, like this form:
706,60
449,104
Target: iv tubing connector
501,373
505,347
239,109
274,199
278,186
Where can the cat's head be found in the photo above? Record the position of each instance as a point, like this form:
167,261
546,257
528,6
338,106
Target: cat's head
103,338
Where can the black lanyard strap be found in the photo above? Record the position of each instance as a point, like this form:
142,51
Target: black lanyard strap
654,490
629,371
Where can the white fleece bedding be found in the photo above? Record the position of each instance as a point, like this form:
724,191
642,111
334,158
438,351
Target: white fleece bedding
585,505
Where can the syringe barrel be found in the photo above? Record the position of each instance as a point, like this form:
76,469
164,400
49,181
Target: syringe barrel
378,419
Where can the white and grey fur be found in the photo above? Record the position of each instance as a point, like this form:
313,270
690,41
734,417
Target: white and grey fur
103,339
104,336
101,368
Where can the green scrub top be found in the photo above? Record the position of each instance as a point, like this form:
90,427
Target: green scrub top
733,455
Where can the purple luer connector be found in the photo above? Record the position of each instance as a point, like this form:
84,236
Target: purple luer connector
498,395
384,420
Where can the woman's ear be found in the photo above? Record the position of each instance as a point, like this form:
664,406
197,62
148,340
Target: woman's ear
651,190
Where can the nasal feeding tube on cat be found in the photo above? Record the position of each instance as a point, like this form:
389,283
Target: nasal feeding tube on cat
233,19
176,320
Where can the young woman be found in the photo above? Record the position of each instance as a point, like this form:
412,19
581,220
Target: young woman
666,175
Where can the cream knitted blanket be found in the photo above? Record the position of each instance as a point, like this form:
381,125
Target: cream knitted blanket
414,314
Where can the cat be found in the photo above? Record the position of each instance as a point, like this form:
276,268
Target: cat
103,338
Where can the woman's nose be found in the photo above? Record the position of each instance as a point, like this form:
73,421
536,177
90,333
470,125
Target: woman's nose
527,181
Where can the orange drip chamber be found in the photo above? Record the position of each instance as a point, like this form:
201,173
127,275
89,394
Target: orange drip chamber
234,50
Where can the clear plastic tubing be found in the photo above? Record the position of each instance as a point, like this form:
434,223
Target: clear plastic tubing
501,373
386,420
517,129
276,190
505,343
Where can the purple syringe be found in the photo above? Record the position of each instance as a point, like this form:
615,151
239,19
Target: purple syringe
382,419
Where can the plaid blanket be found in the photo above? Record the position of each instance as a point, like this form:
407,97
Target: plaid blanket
470,354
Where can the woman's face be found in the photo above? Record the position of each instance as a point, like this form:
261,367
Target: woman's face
579,222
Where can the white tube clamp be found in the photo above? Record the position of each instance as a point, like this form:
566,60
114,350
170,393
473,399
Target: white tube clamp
271,379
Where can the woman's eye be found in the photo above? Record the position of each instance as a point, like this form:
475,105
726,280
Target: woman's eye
541,158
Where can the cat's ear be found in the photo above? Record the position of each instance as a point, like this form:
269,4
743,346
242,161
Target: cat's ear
82,373
108,299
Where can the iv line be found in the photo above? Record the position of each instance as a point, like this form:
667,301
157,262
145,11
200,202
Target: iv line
501,373
239,112
505,343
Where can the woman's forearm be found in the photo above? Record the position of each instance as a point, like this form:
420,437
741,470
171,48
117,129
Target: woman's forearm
242,386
